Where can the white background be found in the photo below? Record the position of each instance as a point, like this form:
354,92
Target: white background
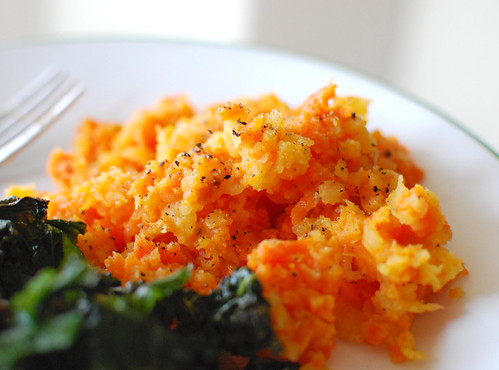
444,52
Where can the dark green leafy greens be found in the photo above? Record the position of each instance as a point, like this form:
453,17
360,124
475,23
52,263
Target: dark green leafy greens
29,242
69,315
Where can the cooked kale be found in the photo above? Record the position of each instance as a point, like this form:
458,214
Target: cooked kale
29,242
70,315
75,317
236,309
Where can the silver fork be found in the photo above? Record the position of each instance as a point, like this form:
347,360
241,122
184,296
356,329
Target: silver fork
34,109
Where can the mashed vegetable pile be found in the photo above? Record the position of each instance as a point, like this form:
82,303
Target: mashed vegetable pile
329,215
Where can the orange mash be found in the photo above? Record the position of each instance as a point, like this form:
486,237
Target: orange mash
328,214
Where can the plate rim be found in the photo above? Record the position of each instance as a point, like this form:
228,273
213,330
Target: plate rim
261,49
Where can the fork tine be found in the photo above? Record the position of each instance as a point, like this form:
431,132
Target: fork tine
39,92
41,123
31,89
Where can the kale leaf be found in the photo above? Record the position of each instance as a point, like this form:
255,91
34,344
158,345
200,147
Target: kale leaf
75,317
29,242
236,308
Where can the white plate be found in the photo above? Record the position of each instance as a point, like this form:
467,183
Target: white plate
121,77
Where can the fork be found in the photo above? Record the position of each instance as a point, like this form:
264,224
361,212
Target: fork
34,109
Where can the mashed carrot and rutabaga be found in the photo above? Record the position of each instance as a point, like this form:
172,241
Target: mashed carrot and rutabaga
329,215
